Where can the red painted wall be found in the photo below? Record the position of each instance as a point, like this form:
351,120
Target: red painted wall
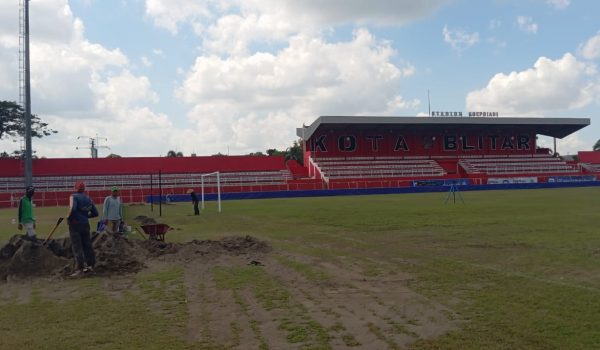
589,157
141,165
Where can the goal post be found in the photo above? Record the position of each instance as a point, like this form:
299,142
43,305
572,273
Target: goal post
218,175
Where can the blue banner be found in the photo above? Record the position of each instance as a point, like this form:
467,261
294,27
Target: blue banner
573,178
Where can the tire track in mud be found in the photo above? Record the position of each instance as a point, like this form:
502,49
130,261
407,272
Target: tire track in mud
359,312
215,316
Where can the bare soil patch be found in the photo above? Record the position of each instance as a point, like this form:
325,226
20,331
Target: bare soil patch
356,310
23,257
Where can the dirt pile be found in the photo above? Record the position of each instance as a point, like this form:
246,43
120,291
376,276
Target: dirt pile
144,220
22,257
117,254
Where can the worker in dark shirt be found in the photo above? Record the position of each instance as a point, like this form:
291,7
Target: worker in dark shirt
194,197
81,209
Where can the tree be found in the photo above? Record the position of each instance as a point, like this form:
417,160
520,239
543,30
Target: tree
294,152
112,155
12,122
258,154
275,152
19,154
597,146
172,153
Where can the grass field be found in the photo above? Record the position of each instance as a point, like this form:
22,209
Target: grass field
505,270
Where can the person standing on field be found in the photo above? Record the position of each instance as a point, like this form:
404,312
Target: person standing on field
112,211
194,197
26,218
81,209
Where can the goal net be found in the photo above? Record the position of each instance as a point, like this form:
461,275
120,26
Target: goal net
208,183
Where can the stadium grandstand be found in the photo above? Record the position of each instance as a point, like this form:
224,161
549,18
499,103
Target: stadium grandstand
339,153
364,152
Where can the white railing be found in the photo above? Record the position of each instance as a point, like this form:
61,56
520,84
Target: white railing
105,182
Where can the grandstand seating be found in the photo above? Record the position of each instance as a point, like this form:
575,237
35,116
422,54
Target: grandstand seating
595,168
54,178
517,165
54,190
381,167
104,182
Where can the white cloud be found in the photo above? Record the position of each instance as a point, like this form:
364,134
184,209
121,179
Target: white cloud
158,52
495,24
568,145
252,102
79,87
498,44
591,48
395,12
551,85
297,14
146,62
124,91
527,25
459,39
230,27
559,4
168,14
233,33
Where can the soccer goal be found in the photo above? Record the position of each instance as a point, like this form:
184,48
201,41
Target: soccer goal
210,183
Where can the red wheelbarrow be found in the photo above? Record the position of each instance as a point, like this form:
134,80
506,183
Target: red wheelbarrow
156,231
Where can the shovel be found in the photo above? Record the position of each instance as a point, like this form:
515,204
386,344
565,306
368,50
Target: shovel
53,230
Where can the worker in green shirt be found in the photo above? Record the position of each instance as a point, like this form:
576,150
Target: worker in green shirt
26,218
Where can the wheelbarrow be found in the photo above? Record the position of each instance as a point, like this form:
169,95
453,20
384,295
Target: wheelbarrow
156,231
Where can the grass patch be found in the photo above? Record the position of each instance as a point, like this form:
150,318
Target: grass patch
516,269
91,321
166,292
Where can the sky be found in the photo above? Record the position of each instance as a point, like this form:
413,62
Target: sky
239,76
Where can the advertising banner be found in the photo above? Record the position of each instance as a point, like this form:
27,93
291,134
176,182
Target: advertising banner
572,178
511,180
441,182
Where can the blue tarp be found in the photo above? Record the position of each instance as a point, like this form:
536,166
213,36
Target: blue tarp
368,191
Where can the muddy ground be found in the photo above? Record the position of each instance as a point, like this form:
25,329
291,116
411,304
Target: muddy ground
354,310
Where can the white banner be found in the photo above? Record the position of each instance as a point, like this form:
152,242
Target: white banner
511,180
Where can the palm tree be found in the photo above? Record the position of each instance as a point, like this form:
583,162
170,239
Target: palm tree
597,146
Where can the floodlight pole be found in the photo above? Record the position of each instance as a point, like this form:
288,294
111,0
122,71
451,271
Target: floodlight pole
28,151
